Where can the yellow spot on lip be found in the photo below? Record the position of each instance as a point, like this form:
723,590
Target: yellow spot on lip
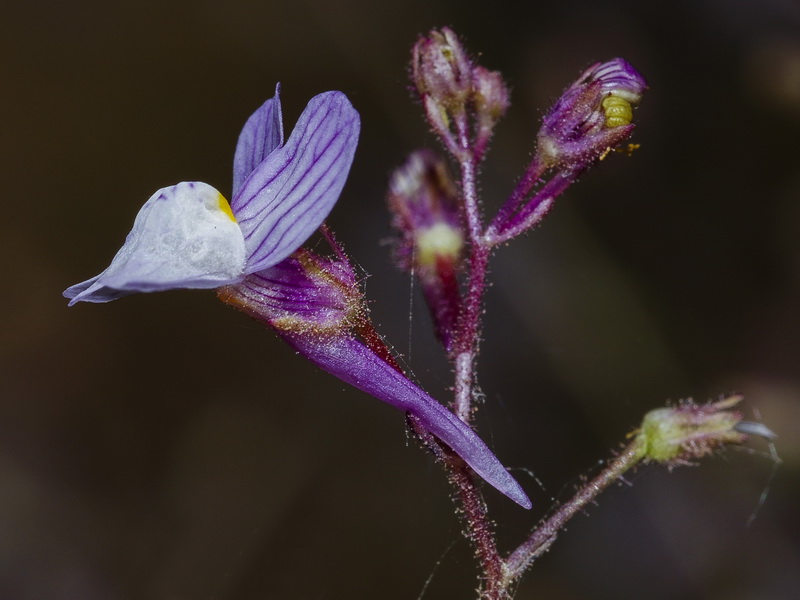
225,207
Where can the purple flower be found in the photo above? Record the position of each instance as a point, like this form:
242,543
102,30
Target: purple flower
592,116
188,236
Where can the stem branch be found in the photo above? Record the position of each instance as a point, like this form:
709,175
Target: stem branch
467,334
546,533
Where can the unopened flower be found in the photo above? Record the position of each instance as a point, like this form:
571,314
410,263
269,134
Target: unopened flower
463,100
424,203
680,434
491,96
441,69
188,236
425,206
592,116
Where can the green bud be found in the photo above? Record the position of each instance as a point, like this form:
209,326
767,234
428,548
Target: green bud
680,434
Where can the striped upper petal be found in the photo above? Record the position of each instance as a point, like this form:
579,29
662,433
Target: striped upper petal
288,195
262,133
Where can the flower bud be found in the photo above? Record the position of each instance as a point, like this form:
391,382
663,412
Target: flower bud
425,205
424,202
592,116
677,435
490,100
442,70
491,97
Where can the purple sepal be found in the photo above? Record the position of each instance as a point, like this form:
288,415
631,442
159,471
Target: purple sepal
293,189
352,362
262,134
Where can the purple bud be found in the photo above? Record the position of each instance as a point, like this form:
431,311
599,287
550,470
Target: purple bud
426,209
490,101
442,70
491,96
592,116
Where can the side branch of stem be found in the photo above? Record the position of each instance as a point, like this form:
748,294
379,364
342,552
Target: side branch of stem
546,532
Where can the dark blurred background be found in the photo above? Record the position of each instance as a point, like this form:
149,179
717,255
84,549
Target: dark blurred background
165,447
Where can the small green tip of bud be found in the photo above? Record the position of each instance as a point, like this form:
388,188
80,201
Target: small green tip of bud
677,435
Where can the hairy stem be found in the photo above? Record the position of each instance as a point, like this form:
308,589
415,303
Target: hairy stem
467,335
533,211
468,332
479,528
546,533
531,176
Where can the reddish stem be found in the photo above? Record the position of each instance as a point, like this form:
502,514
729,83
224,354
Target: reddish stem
546,533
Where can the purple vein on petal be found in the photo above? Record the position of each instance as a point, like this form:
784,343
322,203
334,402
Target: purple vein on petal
308,213
288,194
300,179
308,174
261,134
287,287
295,148
310,115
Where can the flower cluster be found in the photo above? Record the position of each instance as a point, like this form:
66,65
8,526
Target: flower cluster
458,95
188,236
443,239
